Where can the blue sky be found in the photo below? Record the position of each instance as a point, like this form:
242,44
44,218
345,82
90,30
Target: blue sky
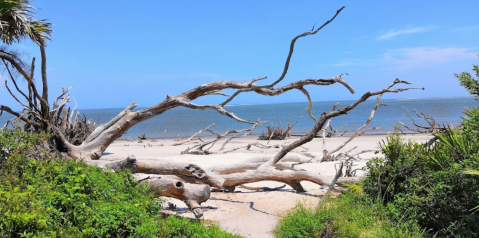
117,52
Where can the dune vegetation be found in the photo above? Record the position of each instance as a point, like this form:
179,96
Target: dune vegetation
413,190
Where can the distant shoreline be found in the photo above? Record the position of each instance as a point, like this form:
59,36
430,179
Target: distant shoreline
328,101
255,136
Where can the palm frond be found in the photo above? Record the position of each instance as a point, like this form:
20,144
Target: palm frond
17,23
471,171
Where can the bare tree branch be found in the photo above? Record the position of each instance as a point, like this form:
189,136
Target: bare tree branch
325,116
331,186
432,127
14,62
288,60
191,137
200,147
18,115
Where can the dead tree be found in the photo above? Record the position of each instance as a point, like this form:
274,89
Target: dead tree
37,111
205,147
432,126
278,132
328,155
38,115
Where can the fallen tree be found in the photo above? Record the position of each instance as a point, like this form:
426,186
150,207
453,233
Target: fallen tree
39,116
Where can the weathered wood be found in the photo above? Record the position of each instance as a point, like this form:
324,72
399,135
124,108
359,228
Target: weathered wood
191,137
255,162
292,178
191,194
331,186
165,167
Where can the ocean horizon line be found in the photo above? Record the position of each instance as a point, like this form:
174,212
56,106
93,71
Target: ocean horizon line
276,103
181,122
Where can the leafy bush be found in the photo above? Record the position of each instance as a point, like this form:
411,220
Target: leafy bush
470,122
350,215
469,82
65,198
425,182
18,141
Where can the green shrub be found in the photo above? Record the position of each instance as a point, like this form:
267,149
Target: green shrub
426,183
349,215
470,123
65,198
469,82
388,175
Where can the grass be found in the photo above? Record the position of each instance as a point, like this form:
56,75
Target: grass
349,215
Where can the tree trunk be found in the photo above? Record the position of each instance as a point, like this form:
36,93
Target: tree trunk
186,171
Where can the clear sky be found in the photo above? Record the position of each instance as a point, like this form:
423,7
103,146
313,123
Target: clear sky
117,52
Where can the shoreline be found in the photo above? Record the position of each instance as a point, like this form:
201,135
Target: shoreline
254,135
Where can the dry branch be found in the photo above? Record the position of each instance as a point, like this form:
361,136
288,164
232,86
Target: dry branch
200,148
164,167
278,132
325,116
94,146
39,115
431,127
191,137
331,186
292,178
327,155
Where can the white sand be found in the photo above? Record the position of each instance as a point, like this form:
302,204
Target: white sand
244,212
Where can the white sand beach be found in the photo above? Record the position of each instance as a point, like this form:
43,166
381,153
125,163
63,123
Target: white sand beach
245,212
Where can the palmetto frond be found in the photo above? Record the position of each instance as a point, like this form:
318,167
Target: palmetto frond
471,171
17,23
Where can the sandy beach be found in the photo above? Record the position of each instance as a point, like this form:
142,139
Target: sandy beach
245,212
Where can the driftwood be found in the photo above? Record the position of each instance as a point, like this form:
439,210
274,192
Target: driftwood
191,194
96,143
331,186
268,170
164,167
39,116
201,150
432,126
287,163
328,155
191,137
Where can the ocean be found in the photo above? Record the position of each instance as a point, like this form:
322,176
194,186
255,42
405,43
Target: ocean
183,122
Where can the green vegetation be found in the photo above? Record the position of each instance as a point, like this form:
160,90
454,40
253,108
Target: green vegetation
349,215
45,197
426,183
433,184
429,190
416,190
468,82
